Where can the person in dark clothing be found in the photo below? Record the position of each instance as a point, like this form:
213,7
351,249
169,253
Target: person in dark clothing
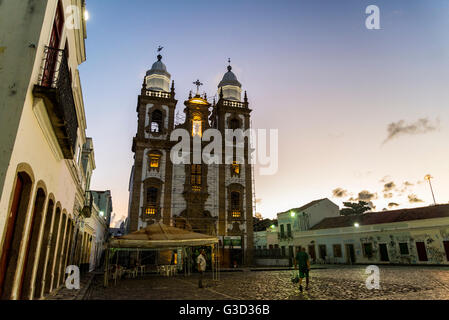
302,262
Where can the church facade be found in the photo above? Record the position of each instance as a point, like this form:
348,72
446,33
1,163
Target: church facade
215,199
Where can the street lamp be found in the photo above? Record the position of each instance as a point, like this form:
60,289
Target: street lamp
292,214
428,177
356,225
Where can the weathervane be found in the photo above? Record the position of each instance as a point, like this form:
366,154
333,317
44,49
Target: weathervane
159,49
198,84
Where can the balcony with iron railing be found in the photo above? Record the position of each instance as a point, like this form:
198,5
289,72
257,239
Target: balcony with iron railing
88,204
55,88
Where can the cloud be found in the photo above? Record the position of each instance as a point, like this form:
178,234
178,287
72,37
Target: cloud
412,198
421,126
385,179
339,193
393,204
389,186
365,195
408,184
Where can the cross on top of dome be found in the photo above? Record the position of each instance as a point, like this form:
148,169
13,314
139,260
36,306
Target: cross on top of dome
198,84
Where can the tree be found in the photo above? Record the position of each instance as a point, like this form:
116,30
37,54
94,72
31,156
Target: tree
354,208
263,224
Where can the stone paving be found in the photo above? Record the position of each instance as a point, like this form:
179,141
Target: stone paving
331,283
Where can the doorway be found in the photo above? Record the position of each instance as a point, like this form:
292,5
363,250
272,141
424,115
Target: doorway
350,254
15,226
312,252
383,252
422,253
446,249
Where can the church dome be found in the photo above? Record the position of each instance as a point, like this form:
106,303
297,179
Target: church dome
158,78
230,86
158,68
229,79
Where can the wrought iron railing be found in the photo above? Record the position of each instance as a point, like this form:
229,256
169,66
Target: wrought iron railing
88,203
55,86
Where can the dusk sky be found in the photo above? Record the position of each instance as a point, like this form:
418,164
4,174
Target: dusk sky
356,109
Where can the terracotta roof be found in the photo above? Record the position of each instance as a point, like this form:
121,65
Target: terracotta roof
438,211
304,207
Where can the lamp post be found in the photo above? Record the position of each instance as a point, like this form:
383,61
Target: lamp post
428,177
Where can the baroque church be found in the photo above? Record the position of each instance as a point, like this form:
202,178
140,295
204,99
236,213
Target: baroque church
214,199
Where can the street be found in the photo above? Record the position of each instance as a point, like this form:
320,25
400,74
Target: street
331,283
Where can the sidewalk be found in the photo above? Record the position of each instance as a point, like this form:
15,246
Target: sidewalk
65,294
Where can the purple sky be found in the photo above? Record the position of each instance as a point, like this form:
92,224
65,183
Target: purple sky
311,69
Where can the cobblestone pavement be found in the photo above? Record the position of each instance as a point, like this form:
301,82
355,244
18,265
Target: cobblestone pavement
332,283
65,294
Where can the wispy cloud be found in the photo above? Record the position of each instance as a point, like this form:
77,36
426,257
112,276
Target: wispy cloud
422,126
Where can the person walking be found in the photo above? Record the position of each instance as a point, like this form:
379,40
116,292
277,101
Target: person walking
302,262
201,261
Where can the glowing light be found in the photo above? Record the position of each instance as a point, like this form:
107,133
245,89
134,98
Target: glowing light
356,225
292,214
86,15
198,101
101,213
273,226
428,177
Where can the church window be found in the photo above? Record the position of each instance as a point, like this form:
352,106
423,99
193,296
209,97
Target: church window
234,124
155,160
235,204
197,126
195,177
156,121
151,201
235,168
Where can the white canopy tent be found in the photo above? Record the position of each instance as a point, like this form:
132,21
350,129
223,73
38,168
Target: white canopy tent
159,236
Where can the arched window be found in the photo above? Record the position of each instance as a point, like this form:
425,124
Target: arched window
156,121
235,204
234,124
151,201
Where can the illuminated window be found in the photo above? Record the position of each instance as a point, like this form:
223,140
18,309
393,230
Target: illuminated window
197,126
154,160
151,201
235,204
150,211
195,177
235,168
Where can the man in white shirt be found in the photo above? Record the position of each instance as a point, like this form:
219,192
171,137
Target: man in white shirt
201,261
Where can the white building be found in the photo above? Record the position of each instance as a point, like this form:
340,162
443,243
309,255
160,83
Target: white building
407,236
42,132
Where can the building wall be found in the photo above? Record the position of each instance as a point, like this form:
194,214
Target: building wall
430,231
16,69
36,147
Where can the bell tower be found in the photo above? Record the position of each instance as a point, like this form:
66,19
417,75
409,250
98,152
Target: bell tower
235,178
151,177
